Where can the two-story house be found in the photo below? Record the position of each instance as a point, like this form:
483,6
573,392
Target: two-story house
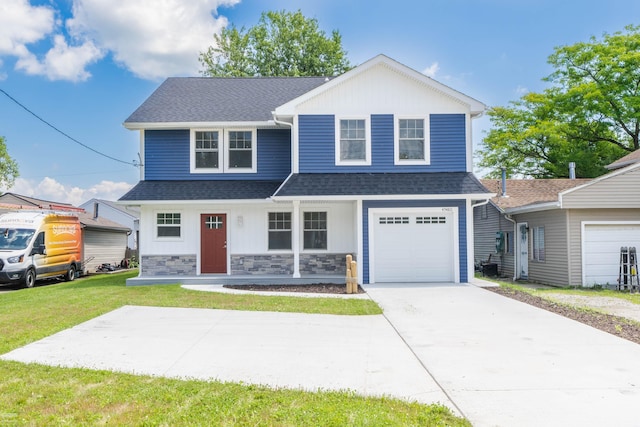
282,177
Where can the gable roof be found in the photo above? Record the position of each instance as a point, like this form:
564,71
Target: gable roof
476,107
218,99
529,192
627,160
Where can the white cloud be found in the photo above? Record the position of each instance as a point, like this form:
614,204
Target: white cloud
431,70
152,39
62,62
521,90
21,24
52,190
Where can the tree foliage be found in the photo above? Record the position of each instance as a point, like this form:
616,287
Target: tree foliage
590,115
8,167
281,44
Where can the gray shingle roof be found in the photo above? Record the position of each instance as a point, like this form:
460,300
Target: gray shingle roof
201,190
217,99
375,184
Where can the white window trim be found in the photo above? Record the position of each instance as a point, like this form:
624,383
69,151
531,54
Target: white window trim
223,151
279,251
254,151
302,230
535,244
396,142
192,151
367,142
156,225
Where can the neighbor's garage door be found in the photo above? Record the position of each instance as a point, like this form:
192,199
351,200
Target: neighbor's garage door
413,247
602,243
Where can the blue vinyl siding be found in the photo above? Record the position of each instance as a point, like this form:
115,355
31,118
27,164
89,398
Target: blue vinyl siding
167,156
462,227
447,143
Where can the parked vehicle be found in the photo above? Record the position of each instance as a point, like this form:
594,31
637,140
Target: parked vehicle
38,245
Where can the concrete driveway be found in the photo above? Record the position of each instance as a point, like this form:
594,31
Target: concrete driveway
494,360
505,363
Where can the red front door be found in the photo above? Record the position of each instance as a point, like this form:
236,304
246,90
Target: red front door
213,243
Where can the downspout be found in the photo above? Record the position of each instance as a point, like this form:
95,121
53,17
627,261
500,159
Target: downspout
473,257
295,234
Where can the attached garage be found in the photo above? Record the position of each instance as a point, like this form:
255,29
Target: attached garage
601,243
413,245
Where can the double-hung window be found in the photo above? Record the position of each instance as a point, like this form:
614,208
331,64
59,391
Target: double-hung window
207,150
315,230
241,153
168,224
220,150
538,244
279,230
412,141
353,145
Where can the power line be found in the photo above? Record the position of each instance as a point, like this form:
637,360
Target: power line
133,163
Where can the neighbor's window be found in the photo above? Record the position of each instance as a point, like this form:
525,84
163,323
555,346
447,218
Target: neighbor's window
207,149
279,230
315,230
240,149
352,142
508,242
168,224
538,244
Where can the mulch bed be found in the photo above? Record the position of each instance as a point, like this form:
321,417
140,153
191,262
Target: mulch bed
316,288
618,326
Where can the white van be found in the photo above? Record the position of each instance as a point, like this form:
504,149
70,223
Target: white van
39,244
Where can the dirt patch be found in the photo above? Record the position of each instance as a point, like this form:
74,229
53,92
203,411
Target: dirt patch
316,288
618,326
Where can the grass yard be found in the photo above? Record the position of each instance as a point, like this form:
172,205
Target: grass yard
36,395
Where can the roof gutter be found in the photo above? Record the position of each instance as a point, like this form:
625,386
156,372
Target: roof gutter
533,208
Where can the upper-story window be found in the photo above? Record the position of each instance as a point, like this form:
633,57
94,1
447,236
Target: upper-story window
412,141
353,142
207,155
217,151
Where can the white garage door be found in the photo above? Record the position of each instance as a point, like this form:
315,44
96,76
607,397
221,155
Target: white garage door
413,247
601,244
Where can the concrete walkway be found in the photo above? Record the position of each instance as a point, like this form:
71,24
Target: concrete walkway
496,361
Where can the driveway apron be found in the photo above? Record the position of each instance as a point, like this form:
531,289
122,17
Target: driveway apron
505,363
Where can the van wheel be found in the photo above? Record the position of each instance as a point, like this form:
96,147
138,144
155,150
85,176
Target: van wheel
71,273
30,278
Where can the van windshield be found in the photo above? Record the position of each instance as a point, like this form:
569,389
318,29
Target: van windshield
15,238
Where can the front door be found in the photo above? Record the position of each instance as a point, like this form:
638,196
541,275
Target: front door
213,243
522,250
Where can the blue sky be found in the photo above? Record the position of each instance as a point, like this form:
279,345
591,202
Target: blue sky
85,65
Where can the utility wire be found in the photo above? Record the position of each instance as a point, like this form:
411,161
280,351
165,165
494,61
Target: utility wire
134,163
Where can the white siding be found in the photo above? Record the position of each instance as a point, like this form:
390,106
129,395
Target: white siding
390,96
247,227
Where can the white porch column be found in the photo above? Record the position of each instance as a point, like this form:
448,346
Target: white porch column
359,240
295,238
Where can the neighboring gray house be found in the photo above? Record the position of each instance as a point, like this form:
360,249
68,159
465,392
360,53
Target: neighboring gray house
561,231
128,216
103,240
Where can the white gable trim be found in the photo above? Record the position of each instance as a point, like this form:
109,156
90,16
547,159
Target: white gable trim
476,107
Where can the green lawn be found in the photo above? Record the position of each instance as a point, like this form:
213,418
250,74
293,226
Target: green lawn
36,395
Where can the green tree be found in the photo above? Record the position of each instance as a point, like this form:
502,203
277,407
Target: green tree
8,167
281,44
590,115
